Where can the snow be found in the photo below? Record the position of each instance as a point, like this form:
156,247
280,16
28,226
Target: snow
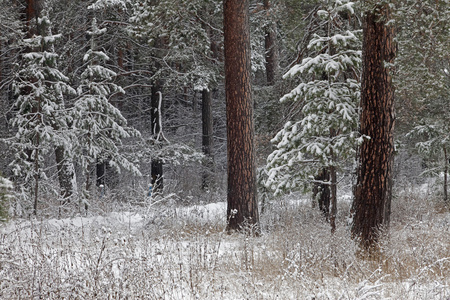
103,4
164,251
5,184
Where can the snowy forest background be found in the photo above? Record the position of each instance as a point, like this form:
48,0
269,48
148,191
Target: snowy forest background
102,99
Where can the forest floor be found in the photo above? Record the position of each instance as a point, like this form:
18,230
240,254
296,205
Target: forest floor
163,251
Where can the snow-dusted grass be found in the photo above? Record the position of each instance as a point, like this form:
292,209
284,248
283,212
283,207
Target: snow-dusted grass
182,252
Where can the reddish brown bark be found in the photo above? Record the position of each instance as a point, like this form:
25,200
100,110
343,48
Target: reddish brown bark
30,14
373,188
242,204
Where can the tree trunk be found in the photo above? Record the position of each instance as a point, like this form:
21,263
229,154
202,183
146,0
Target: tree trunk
271,49
333,210
66,174
1,63
36,175
207,138
156,113
101,173
32,12
446,162
242,209
373,187
387,204
87,190
321,191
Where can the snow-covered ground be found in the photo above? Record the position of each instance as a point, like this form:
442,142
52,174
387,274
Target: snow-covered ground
182,252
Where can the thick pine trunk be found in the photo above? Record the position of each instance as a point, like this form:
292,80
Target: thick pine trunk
242,206
374,183
207,138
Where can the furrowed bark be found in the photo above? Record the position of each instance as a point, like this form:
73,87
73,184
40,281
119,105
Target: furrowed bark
242,209
374,178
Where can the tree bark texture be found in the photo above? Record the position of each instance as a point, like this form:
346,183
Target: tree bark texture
374,184
207,138
242,206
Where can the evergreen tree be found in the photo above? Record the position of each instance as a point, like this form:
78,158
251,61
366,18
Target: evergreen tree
188,29
10,33
423,81
183,40
41,119
328,96
99,126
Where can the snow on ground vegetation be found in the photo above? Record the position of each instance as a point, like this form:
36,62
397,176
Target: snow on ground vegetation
182,252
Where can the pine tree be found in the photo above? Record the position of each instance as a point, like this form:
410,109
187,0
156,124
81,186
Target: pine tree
183,41
100,127
10,33
327,97
181,35
41,119
423,81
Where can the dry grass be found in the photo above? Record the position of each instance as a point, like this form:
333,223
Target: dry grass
173,253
